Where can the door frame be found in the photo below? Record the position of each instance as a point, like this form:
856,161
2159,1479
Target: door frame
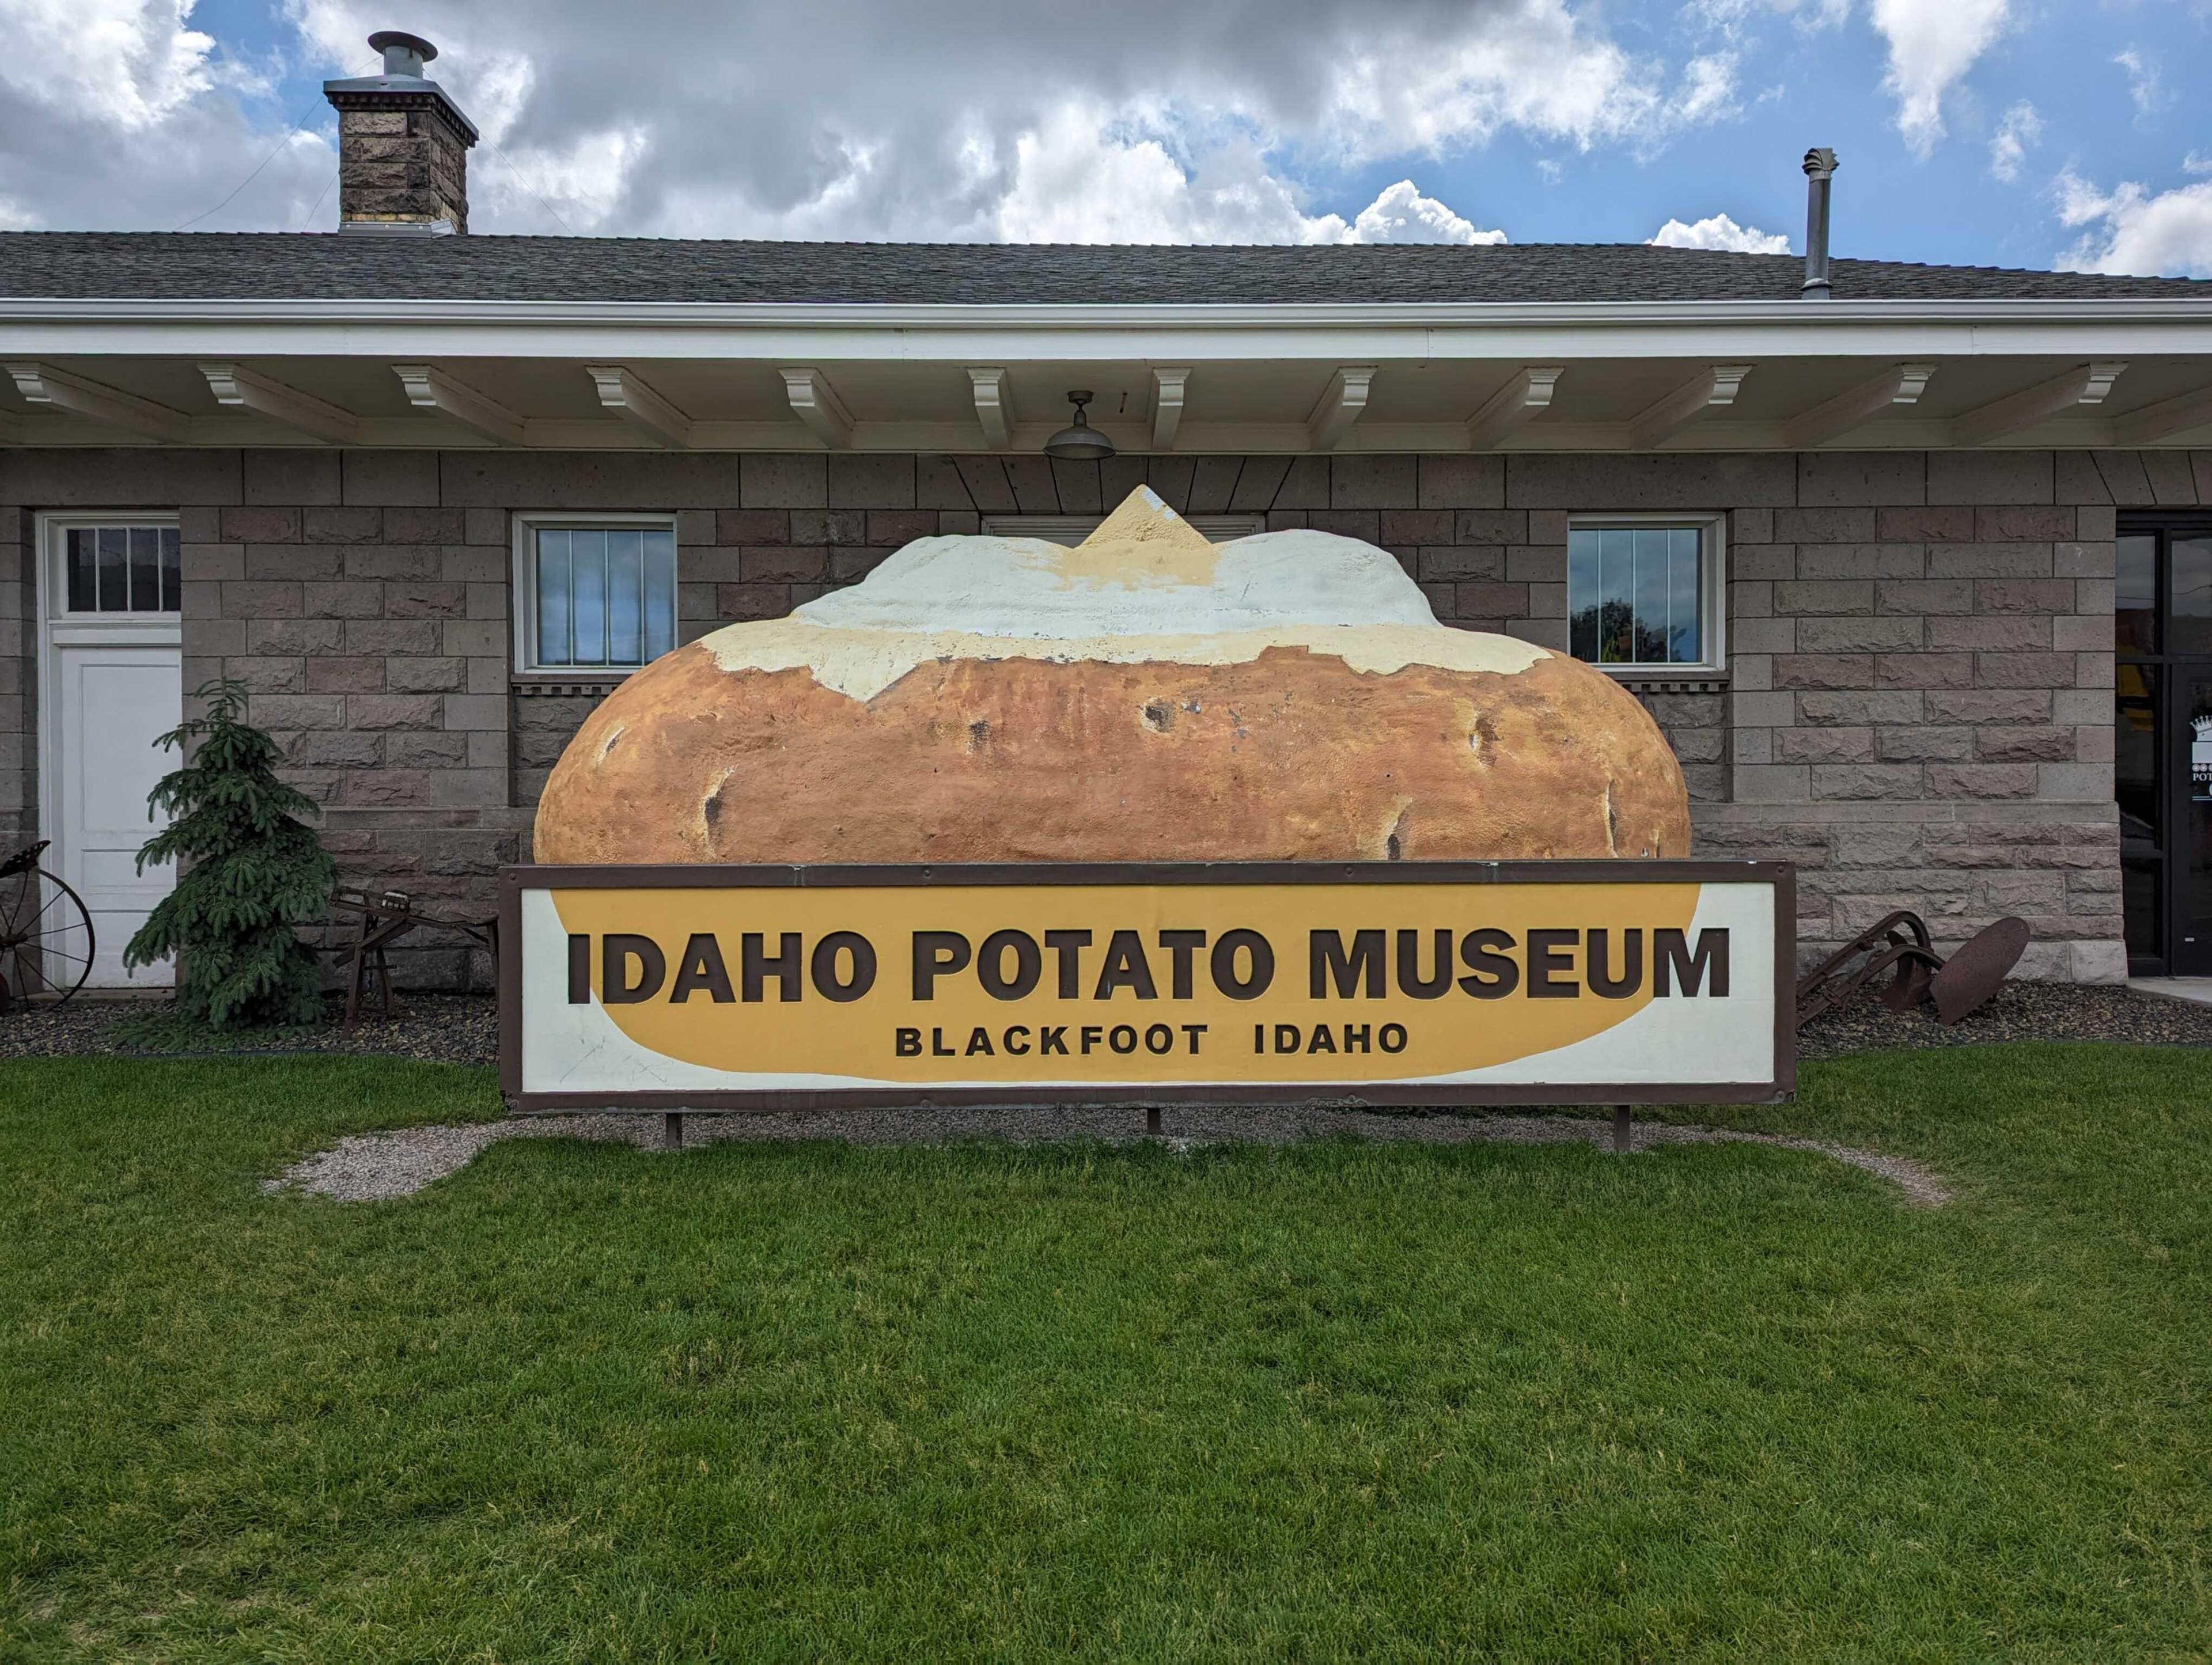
2175,672
56,631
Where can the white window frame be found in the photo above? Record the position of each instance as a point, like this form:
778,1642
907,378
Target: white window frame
1712,527
53,528
523,590
1075,528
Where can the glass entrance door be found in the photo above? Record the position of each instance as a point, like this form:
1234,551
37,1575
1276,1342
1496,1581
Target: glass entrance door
2162,745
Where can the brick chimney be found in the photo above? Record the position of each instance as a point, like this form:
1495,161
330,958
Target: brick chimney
403,147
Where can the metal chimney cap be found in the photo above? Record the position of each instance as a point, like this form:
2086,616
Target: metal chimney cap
404,54
1820,163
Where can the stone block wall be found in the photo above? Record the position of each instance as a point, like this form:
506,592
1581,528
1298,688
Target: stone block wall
1918,709
18,646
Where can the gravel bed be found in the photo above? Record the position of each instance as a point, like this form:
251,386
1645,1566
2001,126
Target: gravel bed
447,1029
377,1167
2018,1011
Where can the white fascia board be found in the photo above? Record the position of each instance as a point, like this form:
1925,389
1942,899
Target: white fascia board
1541,332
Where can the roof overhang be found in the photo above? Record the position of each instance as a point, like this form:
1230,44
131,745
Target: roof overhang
1572,376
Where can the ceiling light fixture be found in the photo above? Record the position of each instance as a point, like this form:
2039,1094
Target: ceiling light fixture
1080,441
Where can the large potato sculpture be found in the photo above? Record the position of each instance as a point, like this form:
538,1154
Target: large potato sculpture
1147,695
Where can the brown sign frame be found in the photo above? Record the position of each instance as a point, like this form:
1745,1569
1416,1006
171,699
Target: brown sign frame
514,880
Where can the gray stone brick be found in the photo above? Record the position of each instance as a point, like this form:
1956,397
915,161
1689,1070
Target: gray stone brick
1819,560
1766,635
1428,526
783,566
868,480
2083,560
1823,745
1765,564
266,676
284,561
425,526
387,711
437,750
1925,526
1453,482
1866,780
1925,671
2088,783
487,711
463,565
1490,600
297,475
488,527
207,638
2024,524
333,749
1989,561
260,601
1752,745
1753,672
287,711
2093,670
1365,524
2094,745
2082,634
936,485
748,526
383,479
1923,745
1462,561
293,637
2024,670
1757,710
474,638
261,525
1823,671
1773,783
1825,596
741,601
2081,706
1993,745
1979,706
1829,478
1377,481
404,675
822,527
2007,478
335,675
487,601
2025,595
391,636
2004,634
380,561
341,526
1925,597
772,480
1981,779
425,600
1832,524
1031,480
1489,526
1859,706
896,528
209,563
1751,600
341,600
387,788
1848,635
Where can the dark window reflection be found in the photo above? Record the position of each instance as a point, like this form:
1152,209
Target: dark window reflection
2139,896
2192,590
2134,752
2135,621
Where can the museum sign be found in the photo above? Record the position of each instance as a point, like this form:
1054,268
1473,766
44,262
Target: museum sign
779,988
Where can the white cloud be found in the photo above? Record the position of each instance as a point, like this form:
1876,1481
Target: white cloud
1719,231
1400,214
2132,231
2020,129
2197,162
877,118
2143,84
1932,43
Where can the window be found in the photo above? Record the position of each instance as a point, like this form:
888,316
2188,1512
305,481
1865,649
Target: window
595,593
1644,593
119,567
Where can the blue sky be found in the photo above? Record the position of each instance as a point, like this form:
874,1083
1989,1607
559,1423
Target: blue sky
2018,132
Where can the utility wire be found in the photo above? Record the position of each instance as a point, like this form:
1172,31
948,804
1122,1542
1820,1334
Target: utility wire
515,173
308,218
289,131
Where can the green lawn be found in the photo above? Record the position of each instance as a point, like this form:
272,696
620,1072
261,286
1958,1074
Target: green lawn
587,1402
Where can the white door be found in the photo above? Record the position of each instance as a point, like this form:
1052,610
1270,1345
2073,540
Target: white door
112,685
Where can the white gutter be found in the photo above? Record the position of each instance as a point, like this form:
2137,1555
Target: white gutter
1532,331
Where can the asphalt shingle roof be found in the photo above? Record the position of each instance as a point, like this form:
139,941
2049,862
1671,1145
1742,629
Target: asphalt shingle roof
165,265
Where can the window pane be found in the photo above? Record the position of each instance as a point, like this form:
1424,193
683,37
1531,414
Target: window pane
2134,602
83,576
555,646
659,593
1651,591
589,579
2192,596
2139,896
2134,753
1685,637
1581,594
625,598
173,593
114,570
1616,613
145,569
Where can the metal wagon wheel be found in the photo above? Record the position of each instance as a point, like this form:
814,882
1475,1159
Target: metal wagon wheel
46,940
